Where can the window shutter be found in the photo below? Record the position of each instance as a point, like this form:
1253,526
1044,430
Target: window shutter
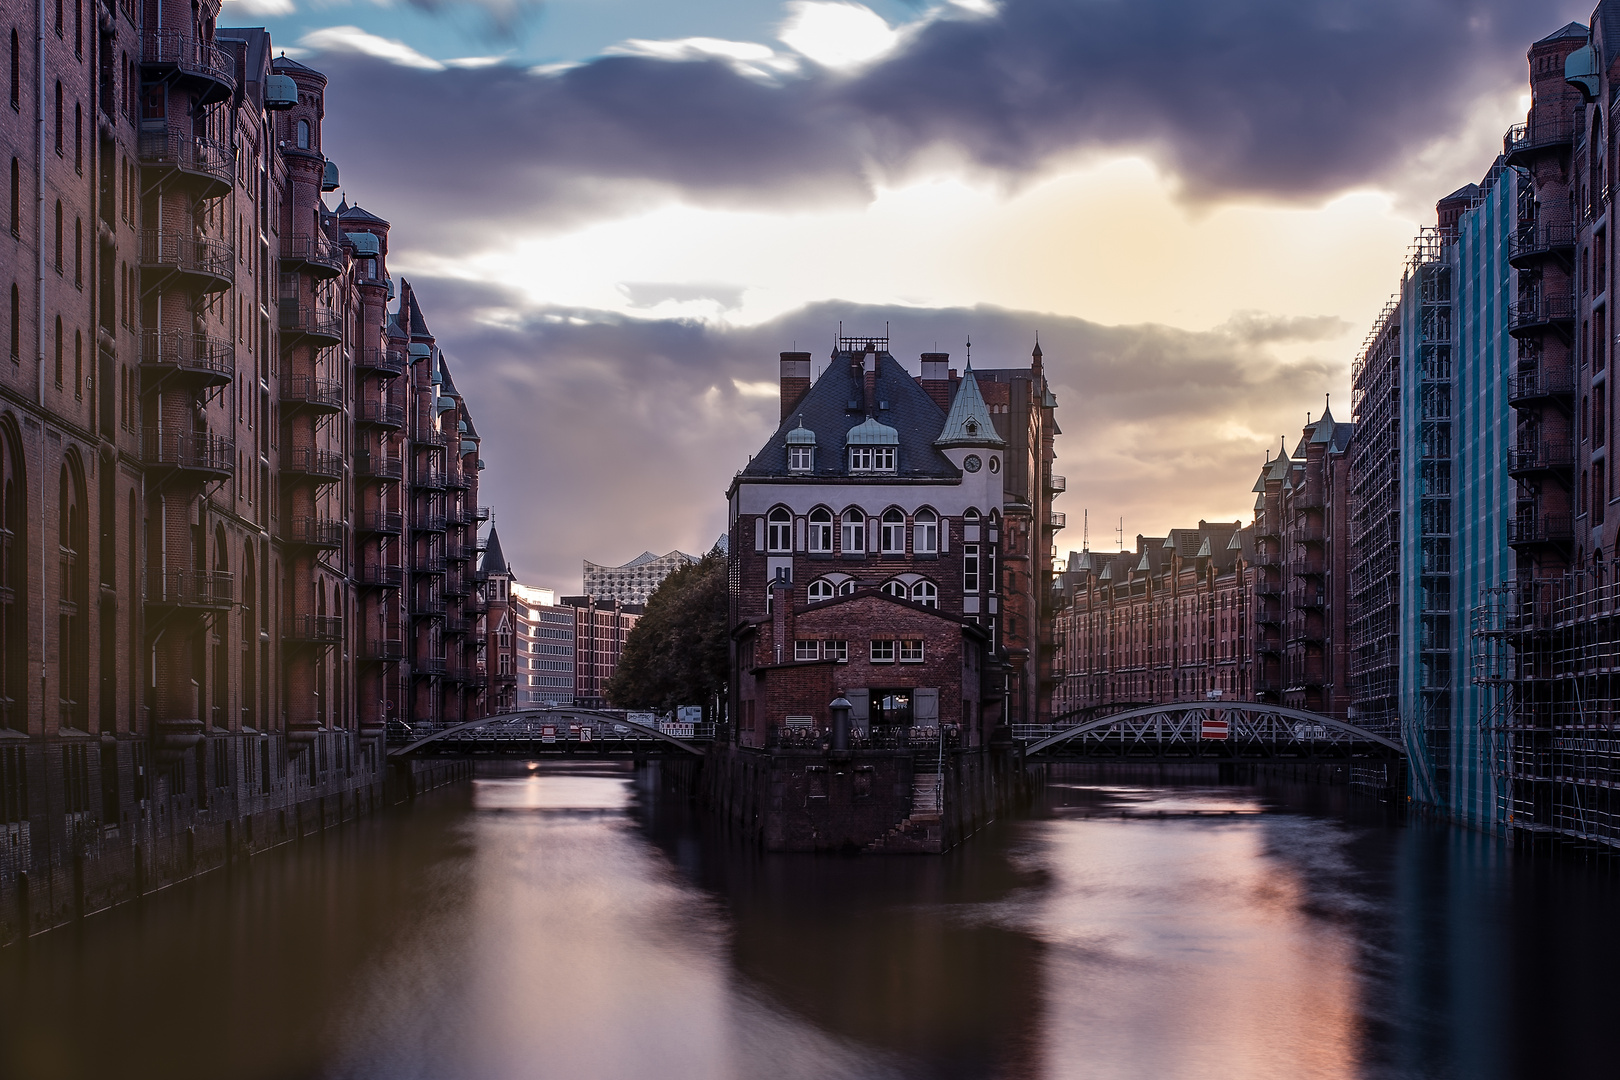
759,533
859,709
925,706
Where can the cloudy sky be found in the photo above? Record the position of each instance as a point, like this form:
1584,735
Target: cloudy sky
617,213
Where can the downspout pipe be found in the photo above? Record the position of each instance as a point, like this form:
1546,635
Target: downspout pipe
39,325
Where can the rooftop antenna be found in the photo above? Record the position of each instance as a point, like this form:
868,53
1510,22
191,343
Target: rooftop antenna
1085,530
970,350
1120,534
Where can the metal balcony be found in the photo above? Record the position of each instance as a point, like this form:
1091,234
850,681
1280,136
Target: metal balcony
429,478
313,324
1532,529
1535,316
314,629
381,414
457,626
429,523
312,393
1055,484
428,607
205,167
315,532
382,523
431,563
1539,386
1308,598
201,66
379,466
383,361
1523,142
429,665
208,456
315,255
210,589
455,586
386,651
1548,457
481,514
1057,521
205,264
381,577
199,359
322,466
1535,241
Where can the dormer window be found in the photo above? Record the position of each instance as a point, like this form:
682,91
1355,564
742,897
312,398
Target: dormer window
871,459
801,449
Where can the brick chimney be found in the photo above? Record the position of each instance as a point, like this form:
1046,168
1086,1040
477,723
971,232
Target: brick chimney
936,378
795,380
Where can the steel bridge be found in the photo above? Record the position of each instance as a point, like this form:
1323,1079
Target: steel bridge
1209,732
558,734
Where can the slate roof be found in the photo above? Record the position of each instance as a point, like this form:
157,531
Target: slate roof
968,423
358,213
1569,30
418,325
494,561
837,403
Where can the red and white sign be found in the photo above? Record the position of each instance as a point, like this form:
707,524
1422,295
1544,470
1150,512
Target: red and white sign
1215,728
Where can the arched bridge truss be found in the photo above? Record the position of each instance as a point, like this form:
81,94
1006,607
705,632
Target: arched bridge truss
590,734
1214,732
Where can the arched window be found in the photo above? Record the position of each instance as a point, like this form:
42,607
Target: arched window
852,538
769,602
896,589
924,593
303,135
821,530
847,588
16,73
892,534
779,530
820,591
925,533
58,119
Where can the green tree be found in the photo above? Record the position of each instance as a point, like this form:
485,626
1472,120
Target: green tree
678,652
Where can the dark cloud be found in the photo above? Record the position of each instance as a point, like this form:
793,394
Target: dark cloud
1289,98
606,436
494,20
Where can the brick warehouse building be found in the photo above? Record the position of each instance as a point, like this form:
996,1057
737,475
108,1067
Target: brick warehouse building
890,544
205,409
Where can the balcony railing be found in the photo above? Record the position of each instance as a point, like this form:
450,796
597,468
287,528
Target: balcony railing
481,514
429,523
456,625
1056,484
1524,139
432,606
455,586
324,465
1308,598
1539,385
429,478
314,629
1549,455
213,589
386,650
178,252
380,413
311,320
311,392
1057,521
383,360
379,466
383,522
189,451
315,532
199,60
382,577
1541,529
430,665
1538,313
210,360
206,161
430,563
1538,238
316,253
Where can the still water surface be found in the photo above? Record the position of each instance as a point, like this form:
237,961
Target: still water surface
575,924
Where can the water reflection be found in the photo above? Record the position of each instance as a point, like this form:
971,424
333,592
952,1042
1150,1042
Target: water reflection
582,923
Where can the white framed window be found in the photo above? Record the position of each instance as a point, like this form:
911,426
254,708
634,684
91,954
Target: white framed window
925,533
881,652
911,651
820,591
852,537
807,650
896,589
779,530
801,458
834,649
925,593
847,588
871,459
821,530
769,602
970,568
892,532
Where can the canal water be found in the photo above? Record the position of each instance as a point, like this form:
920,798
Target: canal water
581,924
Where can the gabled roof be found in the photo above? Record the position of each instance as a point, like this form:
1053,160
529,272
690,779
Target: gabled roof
1279,465
356,213
836,405
968,422
1569,30
494,561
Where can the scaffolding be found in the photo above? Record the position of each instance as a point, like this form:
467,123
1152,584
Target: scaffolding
1375,488
1548,652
